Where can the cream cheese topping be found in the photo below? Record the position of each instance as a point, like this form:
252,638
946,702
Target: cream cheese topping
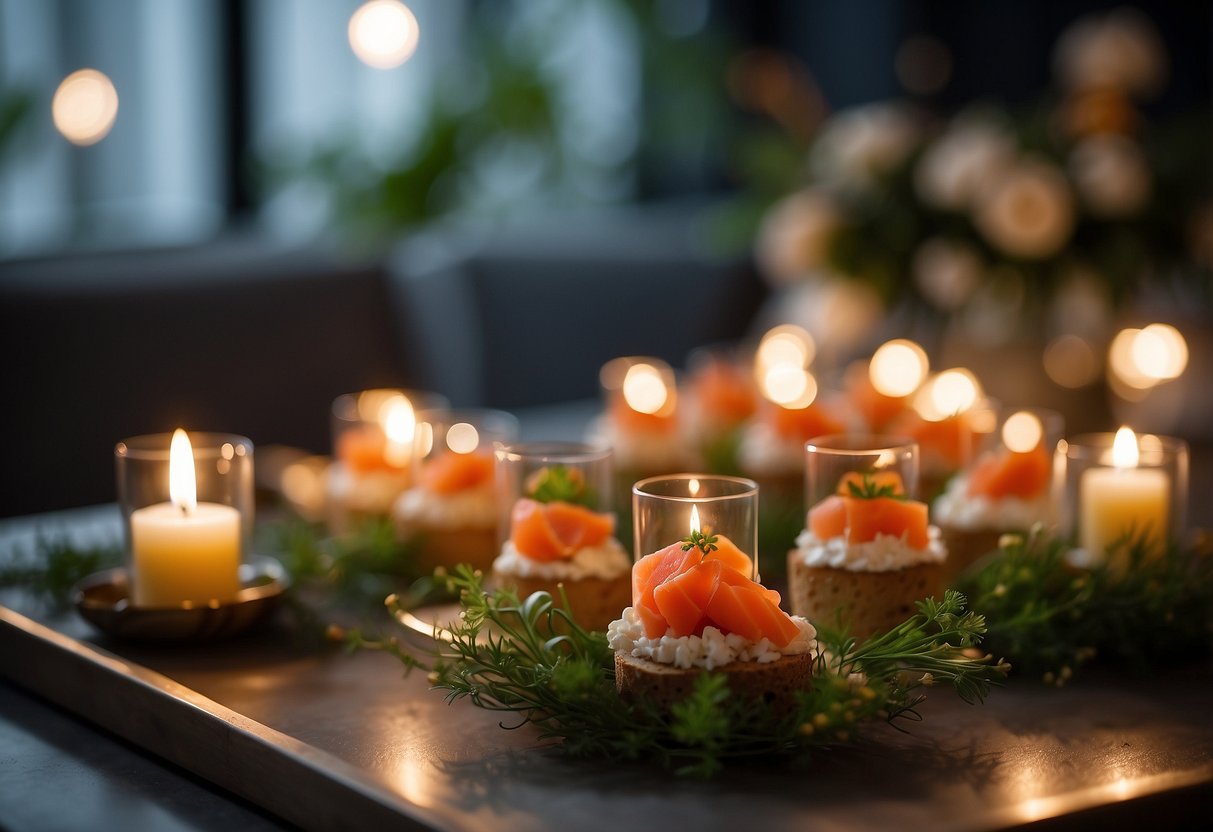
884,554
711,650
607,560
957,508
371,492
469,508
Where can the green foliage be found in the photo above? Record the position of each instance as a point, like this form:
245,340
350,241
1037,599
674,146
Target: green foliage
1051,616
54,565
530,658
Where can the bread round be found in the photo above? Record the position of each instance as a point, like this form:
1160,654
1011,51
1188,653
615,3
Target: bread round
774,684
966,547
868,602
449,547
593,602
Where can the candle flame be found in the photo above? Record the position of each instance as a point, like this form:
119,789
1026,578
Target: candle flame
1124,449
644,389
1022,432
399,426
182,483
695,519
898,368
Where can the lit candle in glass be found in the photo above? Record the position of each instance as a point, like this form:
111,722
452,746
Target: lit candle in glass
1123,501
184,551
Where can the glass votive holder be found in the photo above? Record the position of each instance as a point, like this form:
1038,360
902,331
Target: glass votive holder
474,431
1024,430
373,449
571,472
667,509
830,458
720,389
1122,490
187,516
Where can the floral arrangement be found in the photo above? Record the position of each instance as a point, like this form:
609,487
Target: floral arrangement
1075,205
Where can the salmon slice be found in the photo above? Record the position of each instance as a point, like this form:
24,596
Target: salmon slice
655,625
625,417
884,515
730,610
772,621
735,578
550,531
951,439
1010,474
877,409
725,391
683,600
860,520
828,518
668,563
361,449
881,479
804,423
451,473
727,553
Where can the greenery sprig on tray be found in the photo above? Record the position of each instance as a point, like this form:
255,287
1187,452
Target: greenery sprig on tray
53,565
1050,616
527,657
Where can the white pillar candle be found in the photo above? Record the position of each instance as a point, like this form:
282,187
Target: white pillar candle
184,551
1123,500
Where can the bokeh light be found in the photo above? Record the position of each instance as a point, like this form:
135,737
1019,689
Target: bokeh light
384,33
85,107
785,344
644,389
947,394
1022,432
789,386
462,438
1071,362
898,368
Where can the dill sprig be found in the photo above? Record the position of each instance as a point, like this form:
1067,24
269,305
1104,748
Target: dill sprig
706,543
869,490
529,658
1051,616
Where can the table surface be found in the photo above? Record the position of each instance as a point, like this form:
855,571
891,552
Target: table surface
1108,746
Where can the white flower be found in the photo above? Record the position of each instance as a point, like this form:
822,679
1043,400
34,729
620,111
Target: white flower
1119,50
947,272
795,236
857,146
1111,175
1028,212
954,167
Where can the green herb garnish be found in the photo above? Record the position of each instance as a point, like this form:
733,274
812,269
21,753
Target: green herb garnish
869,490
560,483
53,565
705,542
529,657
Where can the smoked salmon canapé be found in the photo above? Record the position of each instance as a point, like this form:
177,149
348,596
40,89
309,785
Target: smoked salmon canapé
866,555
450,513
695,609
570,551
1003,492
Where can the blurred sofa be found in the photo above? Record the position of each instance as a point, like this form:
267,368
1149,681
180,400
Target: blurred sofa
256,337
